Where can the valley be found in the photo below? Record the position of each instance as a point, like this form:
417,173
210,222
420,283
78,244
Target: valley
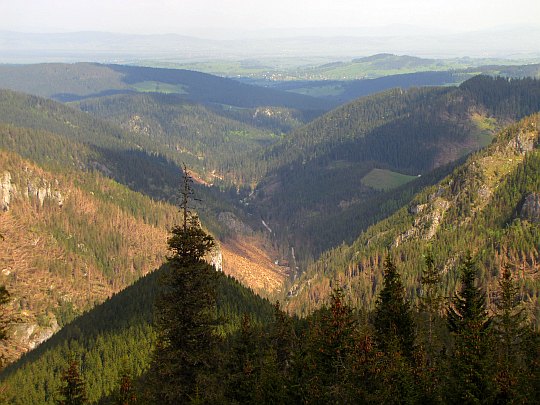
312,188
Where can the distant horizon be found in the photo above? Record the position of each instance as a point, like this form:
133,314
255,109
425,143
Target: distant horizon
294,32
211,18
503,42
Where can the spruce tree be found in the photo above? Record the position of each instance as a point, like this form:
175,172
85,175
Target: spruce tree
330,347
428,359
72,391
511,331
244,364
395,337
470,325
430,299
394,325
126,391
280,363
185,313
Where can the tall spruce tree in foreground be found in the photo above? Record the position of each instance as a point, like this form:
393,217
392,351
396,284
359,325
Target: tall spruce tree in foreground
395,337
429,359
394,325
468,320
185,313
331,344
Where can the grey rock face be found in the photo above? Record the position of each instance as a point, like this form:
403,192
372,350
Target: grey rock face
531,208
6,191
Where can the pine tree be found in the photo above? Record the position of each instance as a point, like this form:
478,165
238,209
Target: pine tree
428,359
395,337
185,314
72,391
511,330
126,391
469,323
394,325
331,345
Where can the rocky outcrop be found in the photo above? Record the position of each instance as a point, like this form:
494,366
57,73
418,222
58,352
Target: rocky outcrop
428,218
234,224
216,259
42,191
6,191
35,188
31,335
530,210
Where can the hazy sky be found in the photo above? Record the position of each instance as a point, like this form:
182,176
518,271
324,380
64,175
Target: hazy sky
211,18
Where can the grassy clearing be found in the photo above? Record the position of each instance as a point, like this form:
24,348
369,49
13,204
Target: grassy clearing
487,127
383,180
320,91
158,87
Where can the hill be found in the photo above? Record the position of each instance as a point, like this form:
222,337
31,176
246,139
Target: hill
55,155
113,338
208,140
318,170
489,205
70,82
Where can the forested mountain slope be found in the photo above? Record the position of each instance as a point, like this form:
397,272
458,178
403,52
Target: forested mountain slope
115,337
208,140
108,147
71,239
328,165
54,155
58,136
70,82
488,205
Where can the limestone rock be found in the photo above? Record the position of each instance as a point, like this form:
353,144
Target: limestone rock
530,209
6,191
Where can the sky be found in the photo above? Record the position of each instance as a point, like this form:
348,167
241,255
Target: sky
234,18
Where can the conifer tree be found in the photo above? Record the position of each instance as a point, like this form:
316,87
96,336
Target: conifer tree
185,314
72,391
428,359
332,343
280,364
395,338
469,323
126,391
431,299
244,364
511,330
394,325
